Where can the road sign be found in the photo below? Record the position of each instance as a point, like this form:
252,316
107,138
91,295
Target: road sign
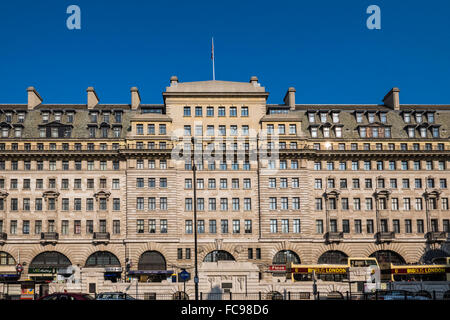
19,268
195,279
184,275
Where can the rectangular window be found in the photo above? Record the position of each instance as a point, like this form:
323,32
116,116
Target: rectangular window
224,226
358,226
319,226
212,226
369,224
273,226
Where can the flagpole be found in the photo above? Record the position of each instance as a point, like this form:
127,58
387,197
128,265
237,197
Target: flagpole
213,58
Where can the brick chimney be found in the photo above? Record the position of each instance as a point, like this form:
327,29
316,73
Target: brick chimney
135,98
34,99
92,98
289,98
392,99
173,81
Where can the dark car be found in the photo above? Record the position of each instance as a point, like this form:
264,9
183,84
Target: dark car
66,296
114,296
395,295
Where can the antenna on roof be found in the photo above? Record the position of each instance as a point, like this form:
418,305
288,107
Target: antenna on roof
212,58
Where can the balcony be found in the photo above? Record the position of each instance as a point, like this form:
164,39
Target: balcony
101,237
385,236
436,237
334,236
49,237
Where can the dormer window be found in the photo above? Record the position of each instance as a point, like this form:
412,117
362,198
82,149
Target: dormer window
418,117
92,132
375,132
407,117
387,132
54,132
93,117
362,132
45,116
338,132
411,132
326,132
423,132
314,132
118,116
335,116
311,117
106,117
41,132
435,132
21,117
105,132
371,117
67,132
70,117
17,132
117,132
359,117
383,117
430,116
323,117
5,132
57,116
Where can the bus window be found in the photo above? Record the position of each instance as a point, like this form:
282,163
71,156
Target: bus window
371,262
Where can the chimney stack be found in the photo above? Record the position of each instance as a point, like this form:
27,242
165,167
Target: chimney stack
289,98
254,81
92,98
173,81
135,98
392,99
34,99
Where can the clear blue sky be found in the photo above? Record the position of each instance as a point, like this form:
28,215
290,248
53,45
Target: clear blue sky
322,48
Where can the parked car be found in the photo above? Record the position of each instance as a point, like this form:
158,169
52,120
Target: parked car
66,296
396,295
114,296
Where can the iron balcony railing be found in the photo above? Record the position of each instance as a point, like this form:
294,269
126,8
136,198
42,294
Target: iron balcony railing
49,236
101,236
436,236
383,236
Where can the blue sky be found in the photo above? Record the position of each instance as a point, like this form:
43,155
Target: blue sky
322,48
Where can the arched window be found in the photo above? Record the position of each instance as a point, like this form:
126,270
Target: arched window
50,259
333,257
152,260
388,256
101,259
286,256
6,259
218,255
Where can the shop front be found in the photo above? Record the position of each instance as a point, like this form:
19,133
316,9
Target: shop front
151,268
50,266
108,261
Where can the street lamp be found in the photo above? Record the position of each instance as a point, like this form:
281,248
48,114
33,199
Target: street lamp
194,170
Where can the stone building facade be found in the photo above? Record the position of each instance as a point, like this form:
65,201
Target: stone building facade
89,186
